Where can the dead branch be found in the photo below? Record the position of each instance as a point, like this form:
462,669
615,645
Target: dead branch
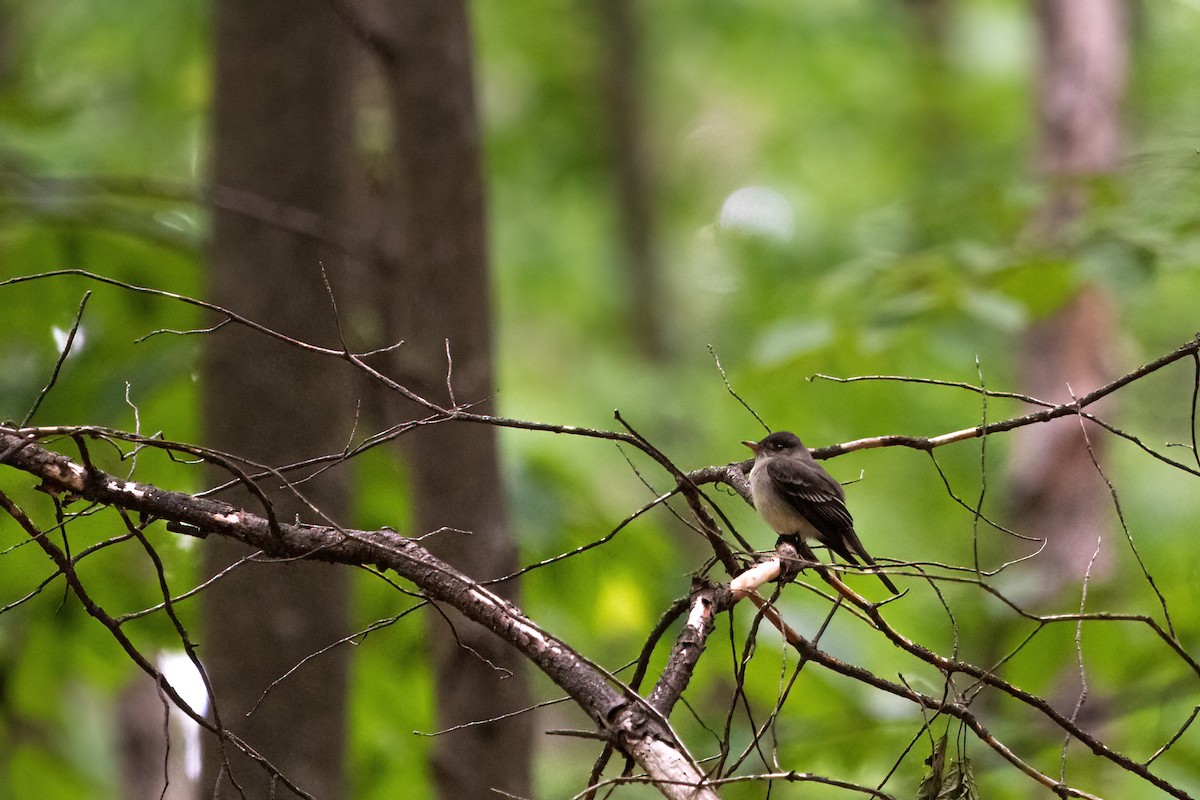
622,717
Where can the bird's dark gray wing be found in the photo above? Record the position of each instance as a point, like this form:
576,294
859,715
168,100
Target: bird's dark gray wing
814,494
818,496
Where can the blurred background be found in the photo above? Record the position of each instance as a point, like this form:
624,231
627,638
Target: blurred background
968,190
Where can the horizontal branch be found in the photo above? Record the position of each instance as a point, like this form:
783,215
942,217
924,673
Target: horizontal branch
1191,348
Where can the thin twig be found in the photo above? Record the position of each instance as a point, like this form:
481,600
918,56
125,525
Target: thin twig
729,388
58,364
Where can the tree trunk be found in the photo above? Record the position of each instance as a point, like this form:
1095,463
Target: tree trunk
435,294
624,130
1058,492
281,130
1083,61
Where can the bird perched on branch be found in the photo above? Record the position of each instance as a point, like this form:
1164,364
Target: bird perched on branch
797,497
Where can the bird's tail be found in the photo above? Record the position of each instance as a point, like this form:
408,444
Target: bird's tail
875,571
850,546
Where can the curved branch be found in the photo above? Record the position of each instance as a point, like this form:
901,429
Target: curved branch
622,717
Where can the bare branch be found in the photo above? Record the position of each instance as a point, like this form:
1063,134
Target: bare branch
62,357
1191,348
632,723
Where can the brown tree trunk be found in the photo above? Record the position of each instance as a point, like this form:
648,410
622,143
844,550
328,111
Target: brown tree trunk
1083,62
435,294
281,130
624,129
1058,492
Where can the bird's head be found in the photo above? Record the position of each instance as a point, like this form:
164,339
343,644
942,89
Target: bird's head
778,442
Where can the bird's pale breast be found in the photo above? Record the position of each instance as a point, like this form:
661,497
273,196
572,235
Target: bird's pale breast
774,507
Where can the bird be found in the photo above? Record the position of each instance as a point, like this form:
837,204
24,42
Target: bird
797,497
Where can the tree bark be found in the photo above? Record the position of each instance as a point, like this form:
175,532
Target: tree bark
435,295
281,130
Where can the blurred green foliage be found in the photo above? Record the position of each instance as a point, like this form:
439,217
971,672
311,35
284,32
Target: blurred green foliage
883,235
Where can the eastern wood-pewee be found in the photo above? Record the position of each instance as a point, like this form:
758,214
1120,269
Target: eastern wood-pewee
797,497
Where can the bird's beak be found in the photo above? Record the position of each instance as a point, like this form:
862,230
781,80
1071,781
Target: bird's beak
752,445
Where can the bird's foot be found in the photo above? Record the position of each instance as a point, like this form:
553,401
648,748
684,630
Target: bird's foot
790,552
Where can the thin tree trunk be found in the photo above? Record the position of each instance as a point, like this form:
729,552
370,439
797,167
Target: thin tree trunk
624,129
435,294
1083,62
281,130
1058,492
